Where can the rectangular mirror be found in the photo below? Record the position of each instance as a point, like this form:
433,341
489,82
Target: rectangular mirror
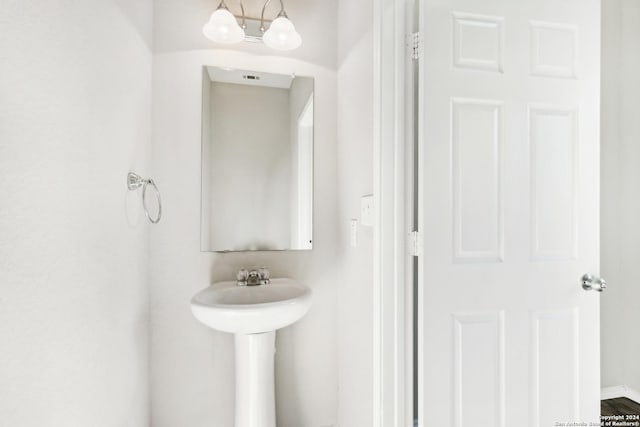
257,161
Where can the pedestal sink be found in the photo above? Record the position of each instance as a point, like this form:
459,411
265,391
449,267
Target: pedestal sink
252,314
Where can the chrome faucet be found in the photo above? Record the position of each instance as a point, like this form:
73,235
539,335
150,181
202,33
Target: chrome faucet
254,277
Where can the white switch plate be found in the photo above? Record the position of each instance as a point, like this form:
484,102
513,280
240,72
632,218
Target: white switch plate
366,212
353,239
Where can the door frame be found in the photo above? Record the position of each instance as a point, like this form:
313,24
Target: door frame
392,184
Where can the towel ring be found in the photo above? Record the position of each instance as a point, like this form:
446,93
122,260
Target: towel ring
135,181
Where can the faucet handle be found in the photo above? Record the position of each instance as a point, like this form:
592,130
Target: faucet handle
264,274
242,277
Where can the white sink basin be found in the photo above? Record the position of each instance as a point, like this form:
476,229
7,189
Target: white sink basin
227,307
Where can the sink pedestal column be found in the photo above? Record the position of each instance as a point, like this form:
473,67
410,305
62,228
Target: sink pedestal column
255,389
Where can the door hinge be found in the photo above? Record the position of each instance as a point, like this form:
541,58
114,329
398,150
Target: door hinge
414,243
414,45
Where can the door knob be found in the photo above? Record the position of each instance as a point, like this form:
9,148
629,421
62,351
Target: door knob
592,283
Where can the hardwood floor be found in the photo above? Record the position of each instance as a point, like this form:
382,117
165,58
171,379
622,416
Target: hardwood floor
619,406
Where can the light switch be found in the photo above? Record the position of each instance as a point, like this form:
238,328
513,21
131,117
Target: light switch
366,213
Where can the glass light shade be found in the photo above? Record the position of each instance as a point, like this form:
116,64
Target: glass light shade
223,28
282,35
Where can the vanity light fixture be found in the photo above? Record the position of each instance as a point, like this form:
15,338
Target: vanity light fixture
281,35
223,27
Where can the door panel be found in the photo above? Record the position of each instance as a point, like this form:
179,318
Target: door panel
509,211
477,187
554,343
479,369
553,151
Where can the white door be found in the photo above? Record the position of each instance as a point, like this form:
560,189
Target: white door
509,139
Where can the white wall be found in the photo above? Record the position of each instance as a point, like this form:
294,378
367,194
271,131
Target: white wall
75,117
355,175
192,369
620,193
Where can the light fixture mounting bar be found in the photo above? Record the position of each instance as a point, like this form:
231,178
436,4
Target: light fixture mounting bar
253,27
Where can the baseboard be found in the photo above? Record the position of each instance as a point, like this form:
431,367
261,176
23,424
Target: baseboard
620,391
